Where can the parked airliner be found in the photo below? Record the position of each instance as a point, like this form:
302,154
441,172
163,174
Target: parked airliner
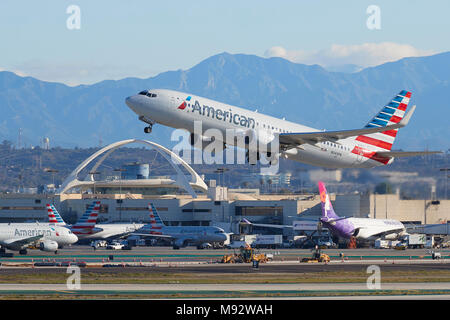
86,227
360,228
360,148
183,235
44,236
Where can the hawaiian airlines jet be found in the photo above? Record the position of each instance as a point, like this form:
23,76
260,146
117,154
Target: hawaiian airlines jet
180,236
360,228
360,148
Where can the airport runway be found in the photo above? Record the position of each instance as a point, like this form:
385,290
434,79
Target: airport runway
191,254
437,290
242,268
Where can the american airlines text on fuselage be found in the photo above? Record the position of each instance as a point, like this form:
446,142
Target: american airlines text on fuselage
219,114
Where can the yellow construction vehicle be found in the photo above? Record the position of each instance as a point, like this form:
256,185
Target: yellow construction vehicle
317,256
246,255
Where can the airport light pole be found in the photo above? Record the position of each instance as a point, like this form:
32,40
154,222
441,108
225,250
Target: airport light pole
92,173
120,191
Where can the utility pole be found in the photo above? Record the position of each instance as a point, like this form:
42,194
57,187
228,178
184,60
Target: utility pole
120,191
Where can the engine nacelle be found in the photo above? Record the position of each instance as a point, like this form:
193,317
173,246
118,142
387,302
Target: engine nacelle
391,236
180,243
48,245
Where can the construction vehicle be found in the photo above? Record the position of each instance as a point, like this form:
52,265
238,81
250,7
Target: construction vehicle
246,255
317,256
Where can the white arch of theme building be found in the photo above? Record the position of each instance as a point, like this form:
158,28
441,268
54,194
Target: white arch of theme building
196,181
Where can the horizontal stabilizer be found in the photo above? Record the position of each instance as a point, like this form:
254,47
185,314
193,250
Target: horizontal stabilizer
400,154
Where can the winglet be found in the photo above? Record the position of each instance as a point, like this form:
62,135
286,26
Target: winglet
408,116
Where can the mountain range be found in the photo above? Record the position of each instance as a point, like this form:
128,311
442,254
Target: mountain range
90,115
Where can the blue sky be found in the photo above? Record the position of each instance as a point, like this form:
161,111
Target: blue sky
120,39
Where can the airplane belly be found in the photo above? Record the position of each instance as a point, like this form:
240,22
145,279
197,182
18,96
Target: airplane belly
317,157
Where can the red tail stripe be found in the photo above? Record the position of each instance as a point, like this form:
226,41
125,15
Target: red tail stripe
402,106
392,133
396,119
371,155
408,95
375,142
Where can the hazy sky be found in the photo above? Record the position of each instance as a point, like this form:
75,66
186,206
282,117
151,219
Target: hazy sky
120,39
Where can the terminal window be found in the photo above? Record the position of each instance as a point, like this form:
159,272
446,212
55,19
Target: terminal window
259,211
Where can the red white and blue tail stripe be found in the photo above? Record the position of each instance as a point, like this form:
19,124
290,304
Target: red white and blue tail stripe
53,216
155,221
392,113
88,219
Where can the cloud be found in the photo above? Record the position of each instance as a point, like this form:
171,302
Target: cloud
364,55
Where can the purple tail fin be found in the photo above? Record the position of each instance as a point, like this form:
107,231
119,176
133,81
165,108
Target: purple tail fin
327,209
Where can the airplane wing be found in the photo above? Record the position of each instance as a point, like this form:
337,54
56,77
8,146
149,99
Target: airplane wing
277,226
263,225
385,233
400,154
318,136
151,235
14,244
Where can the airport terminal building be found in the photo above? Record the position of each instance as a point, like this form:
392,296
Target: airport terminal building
185,199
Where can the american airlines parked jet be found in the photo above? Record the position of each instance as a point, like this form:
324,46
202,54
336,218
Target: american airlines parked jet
86,227
360,228
181,236
45,236
360,148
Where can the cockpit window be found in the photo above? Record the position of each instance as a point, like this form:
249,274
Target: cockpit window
148,94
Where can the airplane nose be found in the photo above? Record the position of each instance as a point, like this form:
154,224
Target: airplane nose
73,238
129,101
134,104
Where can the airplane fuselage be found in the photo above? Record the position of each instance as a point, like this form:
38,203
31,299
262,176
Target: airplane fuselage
185,235
11,232
366,228
181,110
107,230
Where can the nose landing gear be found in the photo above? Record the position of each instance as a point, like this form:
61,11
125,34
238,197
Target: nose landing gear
150,123
148,129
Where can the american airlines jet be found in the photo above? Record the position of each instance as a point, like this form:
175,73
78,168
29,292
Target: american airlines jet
86,227
360,228
181,236
360,148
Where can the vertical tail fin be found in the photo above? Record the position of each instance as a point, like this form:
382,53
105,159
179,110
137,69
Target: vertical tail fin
54,216
390,114
155,220
89,218
327,209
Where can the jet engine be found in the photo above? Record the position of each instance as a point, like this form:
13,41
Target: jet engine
199,140
180,243
260,142
49,245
